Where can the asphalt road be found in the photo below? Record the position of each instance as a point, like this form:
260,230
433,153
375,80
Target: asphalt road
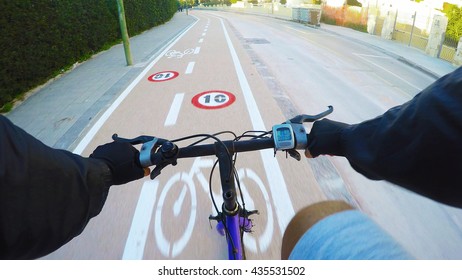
275,69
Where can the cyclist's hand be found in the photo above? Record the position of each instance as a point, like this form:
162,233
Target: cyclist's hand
325,138
123,160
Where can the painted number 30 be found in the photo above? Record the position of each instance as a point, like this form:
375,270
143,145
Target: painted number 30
163,76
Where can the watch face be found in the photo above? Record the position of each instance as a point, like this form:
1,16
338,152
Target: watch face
283,137
283,134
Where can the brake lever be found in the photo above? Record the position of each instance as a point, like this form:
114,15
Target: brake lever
156,172
134,141
311,118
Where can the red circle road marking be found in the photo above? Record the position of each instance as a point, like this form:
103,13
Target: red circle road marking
213,99
163,76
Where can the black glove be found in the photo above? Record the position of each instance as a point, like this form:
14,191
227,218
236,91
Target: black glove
122,159
325,138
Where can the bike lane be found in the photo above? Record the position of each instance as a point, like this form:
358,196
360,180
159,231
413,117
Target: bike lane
187,91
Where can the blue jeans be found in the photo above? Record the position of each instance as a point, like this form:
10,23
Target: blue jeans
347,235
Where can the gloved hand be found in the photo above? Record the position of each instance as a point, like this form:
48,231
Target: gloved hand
325,138
122,159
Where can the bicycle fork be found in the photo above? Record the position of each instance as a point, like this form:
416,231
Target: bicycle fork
232,227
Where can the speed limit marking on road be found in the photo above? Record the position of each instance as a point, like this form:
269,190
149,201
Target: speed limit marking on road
213,99
163,76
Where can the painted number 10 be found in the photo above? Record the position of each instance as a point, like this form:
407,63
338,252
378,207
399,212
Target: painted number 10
213,99
220,98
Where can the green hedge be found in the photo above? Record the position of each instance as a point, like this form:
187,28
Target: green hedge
41,38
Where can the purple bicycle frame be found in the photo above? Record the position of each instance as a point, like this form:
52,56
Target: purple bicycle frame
235,250
235,224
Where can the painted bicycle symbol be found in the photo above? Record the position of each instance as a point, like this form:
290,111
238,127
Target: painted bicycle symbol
178,54
180,190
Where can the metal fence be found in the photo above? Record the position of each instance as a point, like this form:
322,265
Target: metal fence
408,32
448,49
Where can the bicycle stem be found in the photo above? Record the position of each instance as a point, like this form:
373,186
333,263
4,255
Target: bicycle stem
230,205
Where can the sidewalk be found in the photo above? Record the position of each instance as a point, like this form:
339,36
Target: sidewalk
414,57
61,111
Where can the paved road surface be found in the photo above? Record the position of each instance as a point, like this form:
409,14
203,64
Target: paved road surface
275,69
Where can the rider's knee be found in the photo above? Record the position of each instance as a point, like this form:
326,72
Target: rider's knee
334,230
305,219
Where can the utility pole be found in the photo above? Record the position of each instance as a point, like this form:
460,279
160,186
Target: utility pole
124,32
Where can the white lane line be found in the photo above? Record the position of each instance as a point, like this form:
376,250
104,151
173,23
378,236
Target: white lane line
309,33
201,40
281,199
190,67
174,110
97,126
203,34
136,240
388,71
372,55
197,50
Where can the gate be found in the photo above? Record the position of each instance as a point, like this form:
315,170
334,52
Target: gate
408,30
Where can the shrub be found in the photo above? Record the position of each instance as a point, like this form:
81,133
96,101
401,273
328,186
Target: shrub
348,16
41,38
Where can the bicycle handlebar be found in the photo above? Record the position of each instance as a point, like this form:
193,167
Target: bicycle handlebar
231,146
288,137
233,217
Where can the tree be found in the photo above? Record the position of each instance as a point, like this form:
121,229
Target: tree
454,14
354,3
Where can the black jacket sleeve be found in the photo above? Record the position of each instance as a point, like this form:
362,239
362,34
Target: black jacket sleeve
47,196
417,145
